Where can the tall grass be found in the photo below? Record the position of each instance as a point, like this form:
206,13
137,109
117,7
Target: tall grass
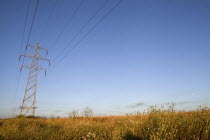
156,124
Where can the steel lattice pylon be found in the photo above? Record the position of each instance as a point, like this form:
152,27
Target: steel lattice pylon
29,100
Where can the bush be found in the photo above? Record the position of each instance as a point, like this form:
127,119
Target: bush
74,114
88,112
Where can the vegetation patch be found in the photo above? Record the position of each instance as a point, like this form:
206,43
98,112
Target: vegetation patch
156,124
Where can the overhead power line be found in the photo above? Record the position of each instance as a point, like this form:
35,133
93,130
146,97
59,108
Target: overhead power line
31,28
37,4
87,34
24,30
42,35
67,23
83,27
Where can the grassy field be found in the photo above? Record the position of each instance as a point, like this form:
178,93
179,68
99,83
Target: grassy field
156,124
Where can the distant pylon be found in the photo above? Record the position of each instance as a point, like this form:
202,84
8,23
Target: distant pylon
29,100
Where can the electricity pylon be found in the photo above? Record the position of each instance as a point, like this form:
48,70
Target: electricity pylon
29,100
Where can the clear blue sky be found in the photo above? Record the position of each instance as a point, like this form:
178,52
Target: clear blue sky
146,52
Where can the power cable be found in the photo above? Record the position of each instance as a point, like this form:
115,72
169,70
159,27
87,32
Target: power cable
37,4
83,27
42,35
86,34
67,23
46,25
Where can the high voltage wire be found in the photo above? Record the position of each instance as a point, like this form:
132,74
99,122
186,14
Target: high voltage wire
83,27
67,23
45,27
25,26
42,35
23,35
29,36
86,34
37,4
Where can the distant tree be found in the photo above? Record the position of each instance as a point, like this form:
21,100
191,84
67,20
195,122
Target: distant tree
87,112
171,107
138,113
74,114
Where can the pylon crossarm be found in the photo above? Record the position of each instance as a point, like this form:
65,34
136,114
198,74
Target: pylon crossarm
25,55
30,45
38,47
25,66
41,69
43,48
44,59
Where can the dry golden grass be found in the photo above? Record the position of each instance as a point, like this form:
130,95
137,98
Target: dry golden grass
157,124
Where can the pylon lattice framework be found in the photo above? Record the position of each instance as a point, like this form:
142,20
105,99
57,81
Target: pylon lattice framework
29,100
